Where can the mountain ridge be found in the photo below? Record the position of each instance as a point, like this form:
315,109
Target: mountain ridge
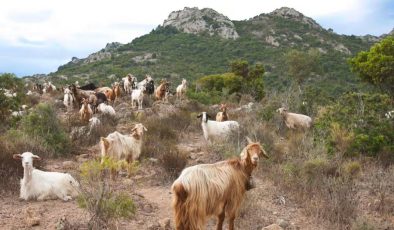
192,43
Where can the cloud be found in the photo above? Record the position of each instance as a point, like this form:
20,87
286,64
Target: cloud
30,17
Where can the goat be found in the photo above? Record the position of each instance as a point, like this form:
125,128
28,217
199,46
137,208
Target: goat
89,86
206,190
148,84
48,87
109,93
80,94
161,91
40,185
116,90
295,120
215,129
106,109
86,111
68,99
123,147
128,83
94,124
181,89
137,95
222,116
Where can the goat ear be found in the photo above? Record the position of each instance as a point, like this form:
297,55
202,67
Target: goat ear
35,157
249,140
145,128
264,154
209,116
17,156
199,115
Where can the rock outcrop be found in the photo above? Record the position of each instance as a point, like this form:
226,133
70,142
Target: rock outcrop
290,13
196,21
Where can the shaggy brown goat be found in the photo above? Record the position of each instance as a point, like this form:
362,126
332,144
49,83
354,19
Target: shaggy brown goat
216,189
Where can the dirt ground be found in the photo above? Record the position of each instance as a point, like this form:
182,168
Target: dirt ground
152,196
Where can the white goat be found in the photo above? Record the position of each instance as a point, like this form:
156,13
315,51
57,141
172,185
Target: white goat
181,89
128,82
68,99
215,129
295,120
123,147
94,124
40,185
48,87
106,109
137,95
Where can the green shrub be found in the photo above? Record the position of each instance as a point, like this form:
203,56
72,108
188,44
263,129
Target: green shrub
352,168
98,198
361,115
43,124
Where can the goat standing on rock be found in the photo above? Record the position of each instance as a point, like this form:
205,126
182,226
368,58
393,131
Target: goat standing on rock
206,190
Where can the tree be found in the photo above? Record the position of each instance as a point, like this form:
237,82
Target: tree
240,68
301,64
376,66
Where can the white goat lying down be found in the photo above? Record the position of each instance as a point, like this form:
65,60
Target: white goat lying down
295,120
40,185
215,129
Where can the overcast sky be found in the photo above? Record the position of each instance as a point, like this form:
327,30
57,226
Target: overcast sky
36,36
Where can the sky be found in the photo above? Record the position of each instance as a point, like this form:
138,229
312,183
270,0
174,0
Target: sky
38,36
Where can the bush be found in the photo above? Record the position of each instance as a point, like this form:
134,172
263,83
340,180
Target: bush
357,121
351,169
98,198
42,124
161,139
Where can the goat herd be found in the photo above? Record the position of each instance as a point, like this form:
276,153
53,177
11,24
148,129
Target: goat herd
199,192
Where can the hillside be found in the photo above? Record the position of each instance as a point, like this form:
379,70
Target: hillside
192,43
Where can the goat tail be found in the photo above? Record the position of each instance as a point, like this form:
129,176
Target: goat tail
179,206
187,212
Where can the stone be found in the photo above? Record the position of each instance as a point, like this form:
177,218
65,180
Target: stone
31,217
68,164
283,223
196,21
165,223
272,227
147,208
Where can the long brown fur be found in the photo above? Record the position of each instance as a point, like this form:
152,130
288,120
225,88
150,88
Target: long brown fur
216,189
161,91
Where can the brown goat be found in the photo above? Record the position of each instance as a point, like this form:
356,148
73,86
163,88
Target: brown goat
116,90
161,91
216,189
222,116
86,111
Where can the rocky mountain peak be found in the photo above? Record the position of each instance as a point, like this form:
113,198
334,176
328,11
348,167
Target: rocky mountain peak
196,21
290,13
